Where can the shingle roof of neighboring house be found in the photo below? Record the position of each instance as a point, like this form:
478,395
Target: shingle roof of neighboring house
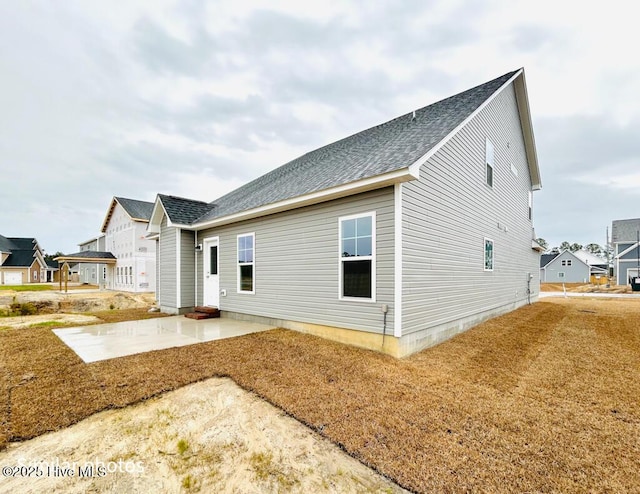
23,243
547,258
22,251
183,211
589,258
625,230
20,258
6,245
87,254
140,210
384,148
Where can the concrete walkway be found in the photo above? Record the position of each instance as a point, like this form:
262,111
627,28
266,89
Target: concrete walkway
106,341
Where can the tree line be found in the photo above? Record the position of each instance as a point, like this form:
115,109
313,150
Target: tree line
592,248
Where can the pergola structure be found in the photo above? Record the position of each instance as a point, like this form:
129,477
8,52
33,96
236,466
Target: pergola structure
88,256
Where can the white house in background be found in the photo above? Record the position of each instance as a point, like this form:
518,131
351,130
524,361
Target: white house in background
626,249
394,238
93,273
124,234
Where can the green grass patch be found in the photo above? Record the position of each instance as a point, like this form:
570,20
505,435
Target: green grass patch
26,288
45,324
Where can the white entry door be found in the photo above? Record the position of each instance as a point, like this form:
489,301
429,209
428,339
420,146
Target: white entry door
211,279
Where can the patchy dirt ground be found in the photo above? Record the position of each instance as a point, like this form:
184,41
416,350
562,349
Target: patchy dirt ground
211,436
543,399
584,288
47,302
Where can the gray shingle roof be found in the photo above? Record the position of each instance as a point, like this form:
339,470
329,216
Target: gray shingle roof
183,211
625,230
90,254
388,147
136,209
547,258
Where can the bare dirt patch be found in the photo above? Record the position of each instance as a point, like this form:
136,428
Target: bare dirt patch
543,399
209,437
584,288
47,302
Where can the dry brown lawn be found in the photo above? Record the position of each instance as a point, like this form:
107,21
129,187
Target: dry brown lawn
544,399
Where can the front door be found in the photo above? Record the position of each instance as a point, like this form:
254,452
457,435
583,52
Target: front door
211,285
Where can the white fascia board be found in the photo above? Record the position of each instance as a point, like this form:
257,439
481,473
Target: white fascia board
522,99
525,122
156,217
107,217
367,184
626,251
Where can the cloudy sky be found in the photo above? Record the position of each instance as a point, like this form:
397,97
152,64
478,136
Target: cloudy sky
194,98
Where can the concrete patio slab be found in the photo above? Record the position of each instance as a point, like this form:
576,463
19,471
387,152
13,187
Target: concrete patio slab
106,341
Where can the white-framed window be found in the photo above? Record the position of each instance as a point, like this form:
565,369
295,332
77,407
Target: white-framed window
566,262
488,254
561,274
246,263
530,205
104,273
489,162
357,269
131,275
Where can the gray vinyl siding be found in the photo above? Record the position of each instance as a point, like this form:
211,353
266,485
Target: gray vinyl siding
297,263
449,211
167,265
578,272
187,269
631,255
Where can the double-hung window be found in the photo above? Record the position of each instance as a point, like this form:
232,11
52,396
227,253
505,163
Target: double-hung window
358,256
246,263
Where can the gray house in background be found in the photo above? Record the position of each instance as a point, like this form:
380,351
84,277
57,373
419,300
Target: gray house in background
395,238
565,267
626,251
95,274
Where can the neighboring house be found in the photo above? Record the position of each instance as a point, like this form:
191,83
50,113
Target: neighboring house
395,238
124,232
93,273
53,271
565,267
597,265
626,251
21,261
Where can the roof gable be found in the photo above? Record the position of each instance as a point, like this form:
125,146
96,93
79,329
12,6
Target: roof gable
566,254
137,210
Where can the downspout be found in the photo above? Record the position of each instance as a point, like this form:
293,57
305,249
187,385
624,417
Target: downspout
195,266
